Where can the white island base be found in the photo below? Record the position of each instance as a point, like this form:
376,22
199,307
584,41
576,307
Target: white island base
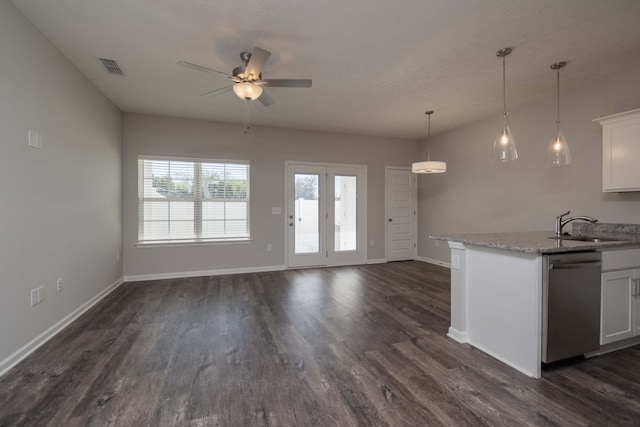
496,304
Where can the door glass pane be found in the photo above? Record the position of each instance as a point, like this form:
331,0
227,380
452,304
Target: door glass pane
346,213
307,214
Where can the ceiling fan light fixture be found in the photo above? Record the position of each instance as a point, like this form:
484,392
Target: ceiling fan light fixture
247,90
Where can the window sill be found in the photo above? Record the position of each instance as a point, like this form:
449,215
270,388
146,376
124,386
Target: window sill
170,243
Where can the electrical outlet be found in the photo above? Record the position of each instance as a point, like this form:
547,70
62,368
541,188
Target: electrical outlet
34,297
371,242
455,262
59,285
269,247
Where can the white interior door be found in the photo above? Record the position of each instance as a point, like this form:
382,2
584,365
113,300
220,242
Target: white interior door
401,195
326,215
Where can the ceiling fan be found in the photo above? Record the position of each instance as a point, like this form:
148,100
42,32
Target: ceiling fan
248,82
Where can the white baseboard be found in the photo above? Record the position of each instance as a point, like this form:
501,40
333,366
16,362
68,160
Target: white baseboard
376,261
614,346
532,372
457,335
38,341
184,274
434,261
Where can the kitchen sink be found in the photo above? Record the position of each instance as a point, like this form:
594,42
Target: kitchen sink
587,239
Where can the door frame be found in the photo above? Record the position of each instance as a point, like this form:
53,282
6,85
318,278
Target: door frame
414,207
362,213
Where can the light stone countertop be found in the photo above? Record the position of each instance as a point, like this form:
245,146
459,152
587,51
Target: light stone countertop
540,241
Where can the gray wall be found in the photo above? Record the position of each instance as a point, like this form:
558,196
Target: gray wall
267,149
60,209
476,195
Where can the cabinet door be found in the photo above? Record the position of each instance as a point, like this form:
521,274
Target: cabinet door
620,152
618,306
635,292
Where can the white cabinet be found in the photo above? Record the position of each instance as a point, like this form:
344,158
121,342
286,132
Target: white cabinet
621,151
620,304
620,315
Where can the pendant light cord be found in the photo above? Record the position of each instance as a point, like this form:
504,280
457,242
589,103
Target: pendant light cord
504,85
429,113
246,116
558,116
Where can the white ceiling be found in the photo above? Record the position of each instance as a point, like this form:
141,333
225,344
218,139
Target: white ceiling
376,65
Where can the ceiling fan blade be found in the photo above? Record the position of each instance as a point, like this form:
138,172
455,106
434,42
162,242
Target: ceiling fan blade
201,68
288,82
265,99
256,63
213,92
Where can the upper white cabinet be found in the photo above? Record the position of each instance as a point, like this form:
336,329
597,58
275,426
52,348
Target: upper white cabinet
621,151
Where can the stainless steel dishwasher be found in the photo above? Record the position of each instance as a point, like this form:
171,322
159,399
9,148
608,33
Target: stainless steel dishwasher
570,305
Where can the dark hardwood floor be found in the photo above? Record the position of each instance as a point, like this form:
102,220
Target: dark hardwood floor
341,346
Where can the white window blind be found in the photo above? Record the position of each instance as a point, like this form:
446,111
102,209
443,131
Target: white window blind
187,200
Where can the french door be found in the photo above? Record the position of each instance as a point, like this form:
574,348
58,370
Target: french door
326,215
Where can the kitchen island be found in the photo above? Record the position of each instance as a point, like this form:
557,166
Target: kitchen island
496,289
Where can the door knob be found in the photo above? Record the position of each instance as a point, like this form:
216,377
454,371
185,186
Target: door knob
290,216
290,224
390,219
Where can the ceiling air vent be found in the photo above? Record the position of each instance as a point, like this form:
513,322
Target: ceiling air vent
111,66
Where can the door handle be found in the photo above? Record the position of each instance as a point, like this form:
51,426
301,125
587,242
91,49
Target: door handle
390,219
290,224
576,265
290,216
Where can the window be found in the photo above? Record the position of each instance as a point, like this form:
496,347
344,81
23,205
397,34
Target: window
187,200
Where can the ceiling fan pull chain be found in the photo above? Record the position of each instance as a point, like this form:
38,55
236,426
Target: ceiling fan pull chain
246,116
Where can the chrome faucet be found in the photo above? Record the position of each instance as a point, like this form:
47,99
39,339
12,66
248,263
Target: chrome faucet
561,222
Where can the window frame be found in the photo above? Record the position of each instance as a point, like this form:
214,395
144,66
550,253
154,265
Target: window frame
197,201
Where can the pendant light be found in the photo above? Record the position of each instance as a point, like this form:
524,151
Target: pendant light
558,149
429,166
504,146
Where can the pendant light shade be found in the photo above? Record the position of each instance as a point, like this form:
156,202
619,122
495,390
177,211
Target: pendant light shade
504,146
558,149
429,166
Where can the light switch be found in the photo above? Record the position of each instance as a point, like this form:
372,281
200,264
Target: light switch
35,139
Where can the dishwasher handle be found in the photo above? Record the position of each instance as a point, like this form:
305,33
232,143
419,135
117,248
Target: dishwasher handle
575,265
